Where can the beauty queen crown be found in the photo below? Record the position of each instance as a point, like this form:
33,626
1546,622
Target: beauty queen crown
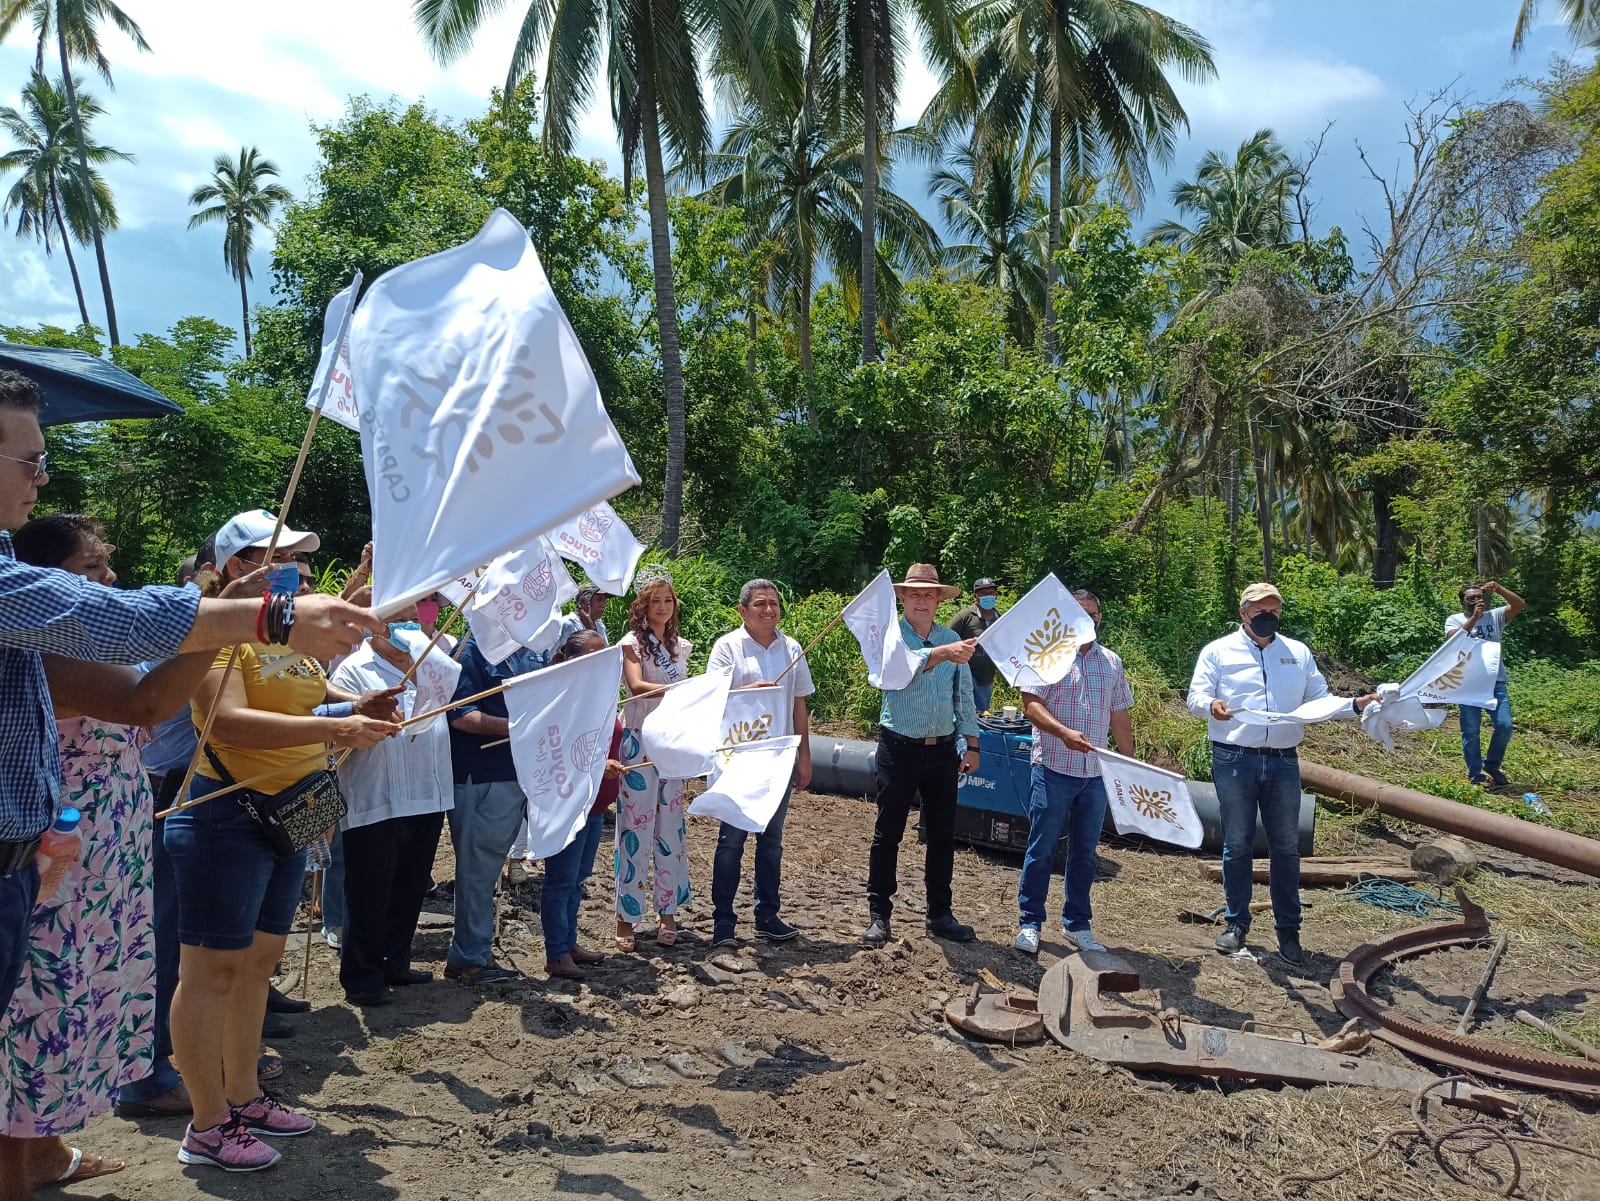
649,574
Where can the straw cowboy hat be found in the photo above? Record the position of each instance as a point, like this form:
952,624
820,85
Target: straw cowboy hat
926,575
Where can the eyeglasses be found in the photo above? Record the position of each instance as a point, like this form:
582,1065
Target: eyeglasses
40,465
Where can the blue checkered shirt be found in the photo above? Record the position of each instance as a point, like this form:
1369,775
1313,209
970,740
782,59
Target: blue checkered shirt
58,613
938,701
1084,700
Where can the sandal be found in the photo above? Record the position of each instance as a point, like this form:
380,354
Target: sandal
667,936
624,938
87,1167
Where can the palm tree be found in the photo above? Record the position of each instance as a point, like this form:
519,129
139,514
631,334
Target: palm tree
1240,206
48,198
652,50
1582,18
74,27
239,197
1086,77
858,46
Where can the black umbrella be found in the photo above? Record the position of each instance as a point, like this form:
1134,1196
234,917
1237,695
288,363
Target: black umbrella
81,387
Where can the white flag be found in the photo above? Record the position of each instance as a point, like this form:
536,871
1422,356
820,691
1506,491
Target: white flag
481,422
457,588
681,735
1035,641
434,682
1149,800
1395,714
1324,708
750,788
600,541
875,621
518,601
561,723
749,716
331,385
1461,672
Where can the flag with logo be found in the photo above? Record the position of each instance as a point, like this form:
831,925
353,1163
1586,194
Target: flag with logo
561,723
748,791
434,682
1149,800
602,544
1034,642
332,389
458,588
682,734
874,619
1396,714
481,421
1324,708
518,602
749,716
1461,672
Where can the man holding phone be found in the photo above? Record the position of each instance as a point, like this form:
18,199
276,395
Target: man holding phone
1489,625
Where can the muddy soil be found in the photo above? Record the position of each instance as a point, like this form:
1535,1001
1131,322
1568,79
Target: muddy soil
821,1069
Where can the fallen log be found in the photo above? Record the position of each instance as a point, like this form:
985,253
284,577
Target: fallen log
1330,871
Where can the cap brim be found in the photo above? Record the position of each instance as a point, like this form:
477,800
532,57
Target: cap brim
289,540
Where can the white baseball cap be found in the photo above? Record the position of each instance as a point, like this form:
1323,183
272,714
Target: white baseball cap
246,530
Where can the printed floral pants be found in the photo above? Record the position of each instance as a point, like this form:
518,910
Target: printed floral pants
649,827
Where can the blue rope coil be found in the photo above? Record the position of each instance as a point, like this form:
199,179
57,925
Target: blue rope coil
1382,893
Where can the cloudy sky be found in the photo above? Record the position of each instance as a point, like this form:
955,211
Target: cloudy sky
225,75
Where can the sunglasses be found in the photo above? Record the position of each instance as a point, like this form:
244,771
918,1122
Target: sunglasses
40,464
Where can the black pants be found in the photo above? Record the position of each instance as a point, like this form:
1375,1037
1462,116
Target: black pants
906,770
387,866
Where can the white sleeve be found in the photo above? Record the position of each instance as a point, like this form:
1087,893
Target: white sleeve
722,658
1203,684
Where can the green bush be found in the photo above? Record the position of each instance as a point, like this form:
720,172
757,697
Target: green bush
1564,701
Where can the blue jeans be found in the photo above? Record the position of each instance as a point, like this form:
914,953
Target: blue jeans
17,894
1499,737
728,865
333,885
1061,804
483,825
564,874
163,1077
1269,785
982,694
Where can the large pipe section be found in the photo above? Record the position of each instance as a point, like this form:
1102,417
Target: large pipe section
1544,843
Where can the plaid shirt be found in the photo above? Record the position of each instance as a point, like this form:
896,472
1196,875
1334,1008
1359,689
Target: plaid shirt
1084,700
56,612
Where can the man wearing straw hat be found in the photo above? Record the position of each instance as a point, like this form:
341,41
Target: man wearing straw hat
917,731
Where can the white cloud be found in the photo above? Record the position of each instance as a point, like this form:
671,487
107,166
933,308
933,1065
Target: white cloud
38,290
1284,91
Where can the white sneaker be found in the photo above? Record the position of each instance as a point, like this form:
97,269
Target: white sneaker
1027,940
334,938
1084,940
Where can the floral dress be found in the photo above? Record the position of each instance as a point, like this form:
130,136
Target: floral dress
81,1023
650,824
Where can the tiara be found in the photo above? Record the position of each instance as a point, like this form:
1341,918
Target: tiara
649,574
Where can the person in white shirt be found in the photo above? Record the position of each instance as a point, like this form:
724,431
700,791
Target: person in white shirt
758,653
398,793
1489,625
1256,768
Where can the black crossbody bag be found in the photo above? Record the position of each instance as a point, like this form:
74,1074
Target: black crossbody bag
297,816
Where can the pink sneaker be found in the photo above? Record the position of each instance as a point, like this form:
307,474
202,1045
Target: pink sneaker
227,1145
265,1115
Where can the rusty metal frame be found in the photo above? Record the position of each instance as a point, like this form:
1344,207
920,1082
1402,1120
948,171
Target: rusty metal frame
1502,1061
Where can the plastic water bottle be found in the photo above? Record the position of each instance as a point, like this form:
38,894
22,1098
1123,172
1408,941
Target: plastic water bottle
59,848
1533,801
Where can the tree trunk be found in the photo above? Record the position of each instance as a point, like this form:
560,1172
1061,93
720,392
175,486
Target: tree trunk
655,177
1283,501
1263,473
1482,540
869,182
1053,239
1386,556
1233,487
803,320
86,179
66,244
244,303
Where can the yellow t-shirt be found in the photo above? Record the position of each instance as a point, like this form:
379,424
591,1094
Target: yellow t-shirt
276,680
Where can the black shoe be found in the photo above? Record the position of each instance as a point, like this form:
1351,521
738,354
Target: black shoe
1498,776
1289,945
482,973
724,934
1231,940
275,1026
278,1003
371,998
776,929
947,928
877,932
411,975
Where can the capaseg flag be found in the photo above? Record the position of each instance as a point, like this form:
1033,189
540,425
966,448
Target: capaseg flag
518,602
749,716
1035,641
748,791
434,682
1461,672
331,385
601,543
481,422
681,735
562,718
1149,800
875,621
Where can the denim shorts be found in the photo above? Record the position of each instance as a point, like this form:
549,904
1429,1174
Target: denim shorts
230,882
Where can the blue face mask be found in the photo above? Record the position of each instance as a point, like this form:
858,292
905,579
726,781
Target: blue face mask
987,602
402,625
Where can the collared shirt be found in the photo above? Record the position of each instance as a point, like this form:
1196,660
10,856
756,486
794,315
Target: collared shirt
572,623
471,760
1491,627
1273,679
938,701
403,776
43,609
1093,689
748,662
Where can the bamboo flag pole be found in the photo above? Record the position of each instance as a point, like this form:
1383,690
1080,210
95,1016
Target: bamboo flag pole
811,646
272,549
320,757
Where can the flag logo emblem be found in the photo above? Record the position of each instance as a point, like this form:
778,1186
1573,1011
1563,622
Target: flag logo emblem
741,732
539,583
1455,676
586,750
1051,644
594,524
1153,803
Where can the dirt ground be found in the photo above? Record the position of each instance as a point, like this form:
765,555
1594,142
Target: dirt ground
821,1069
